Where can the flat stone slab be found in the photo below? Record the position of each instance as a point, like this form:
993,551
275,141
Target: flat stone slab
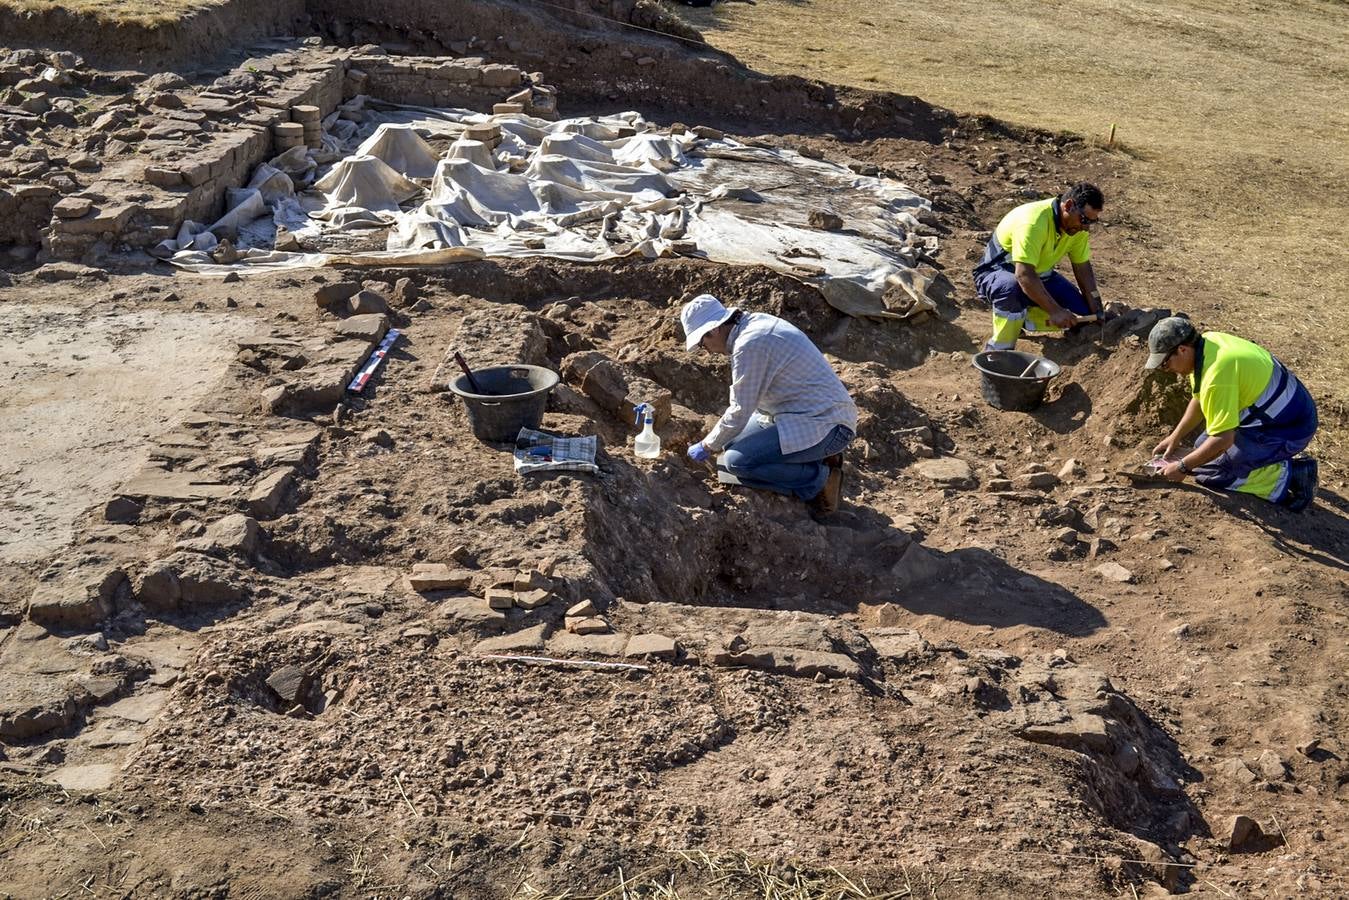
122,737
564,642
946,470
139,708
176,486
83,779
526,640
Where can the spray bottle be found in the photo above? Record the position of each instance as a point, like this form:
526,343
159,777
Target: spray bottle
647,444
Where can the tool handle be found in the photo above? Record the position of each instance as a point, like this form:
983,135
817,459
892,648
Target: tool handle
472,382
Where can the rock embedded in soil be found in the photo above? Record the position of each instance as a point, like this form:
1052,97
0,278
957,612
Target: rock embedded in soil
122,510
370,327
79,596
825,220
232,534
1037,481
290,683
1272,766
656,646
366,302
1113,571
527,640
339,292
947,470
438,577
265,499
1235,769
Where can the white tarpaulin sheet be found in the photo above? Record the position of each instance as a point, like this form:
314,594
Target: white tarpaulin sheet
583,189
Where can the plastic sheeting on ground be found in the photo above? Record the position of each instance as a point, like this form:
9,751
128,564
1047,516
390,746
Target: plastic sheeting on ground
583,189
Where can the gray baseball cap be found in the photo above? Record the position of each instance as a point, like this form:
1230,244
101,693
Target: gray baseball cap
1167,335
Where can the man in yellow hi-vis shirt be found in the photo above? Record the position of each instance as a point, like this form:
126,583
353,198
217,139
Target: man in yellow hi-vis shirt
1257,416
1016,275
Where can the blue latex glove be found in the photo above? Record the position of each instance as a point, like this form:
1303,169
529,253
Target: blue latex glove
699,453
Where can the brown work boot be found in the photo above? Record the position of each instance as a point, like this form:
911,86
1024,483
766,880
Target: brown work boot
834,462
827,500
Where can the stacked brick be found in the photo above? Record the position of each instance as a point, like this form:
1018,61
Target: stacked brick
184,182
181,187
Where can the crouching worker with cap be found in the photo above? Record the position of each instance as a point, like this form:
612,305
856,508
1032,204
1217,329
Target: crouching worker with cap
805,417
1256,416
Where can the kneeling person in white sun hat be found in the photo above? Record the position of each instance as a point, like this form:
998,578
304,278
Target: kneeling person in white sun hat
789,416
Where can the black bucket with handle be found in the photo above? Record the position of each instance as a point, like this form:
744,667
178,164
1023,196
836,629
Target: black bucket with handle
1013,380
513,397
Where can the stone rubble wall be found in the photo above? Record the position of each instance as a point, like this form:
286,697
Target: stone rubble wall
142,205
24,210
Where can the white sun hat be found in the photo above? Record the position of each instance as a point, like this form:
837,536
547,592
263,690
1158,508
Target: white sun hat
699,316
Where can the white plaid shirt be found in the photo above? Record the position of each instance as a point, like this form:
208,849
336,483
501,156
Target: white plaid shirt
777,372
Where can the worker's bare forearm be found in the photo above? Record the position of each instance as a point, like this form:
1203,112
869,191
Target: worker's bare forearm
1035,289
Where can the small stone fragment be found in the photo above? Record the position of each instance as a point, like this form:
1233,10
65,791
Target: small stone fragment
1072,469
122,510
583,609
1112,571
1037,481
825,220
586,625
500,598
438,577
533,599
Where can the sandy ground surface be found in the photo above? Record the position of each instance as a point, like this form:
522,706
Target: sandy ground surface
87,388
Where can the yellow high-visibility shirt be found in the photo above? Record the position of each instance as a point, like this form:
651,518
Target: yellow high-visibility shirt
1232,375
1031,235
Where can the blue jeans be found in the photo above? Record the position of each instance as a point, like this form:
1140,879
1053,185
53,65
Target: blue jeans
755,457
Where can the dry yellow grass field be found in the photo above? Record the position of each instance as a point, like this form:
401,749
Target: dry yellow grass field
1238,112
132,12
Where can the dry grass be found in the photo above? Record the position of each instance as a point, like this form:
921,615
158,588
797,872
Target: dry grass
1237,109
128,12
696,873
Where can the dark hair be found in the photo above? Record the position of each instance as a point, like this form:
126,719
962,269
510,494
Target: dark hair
1084,194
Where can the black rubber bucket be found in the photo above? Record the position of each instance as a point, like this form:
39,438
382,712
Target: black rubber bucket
1003,385
515,397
